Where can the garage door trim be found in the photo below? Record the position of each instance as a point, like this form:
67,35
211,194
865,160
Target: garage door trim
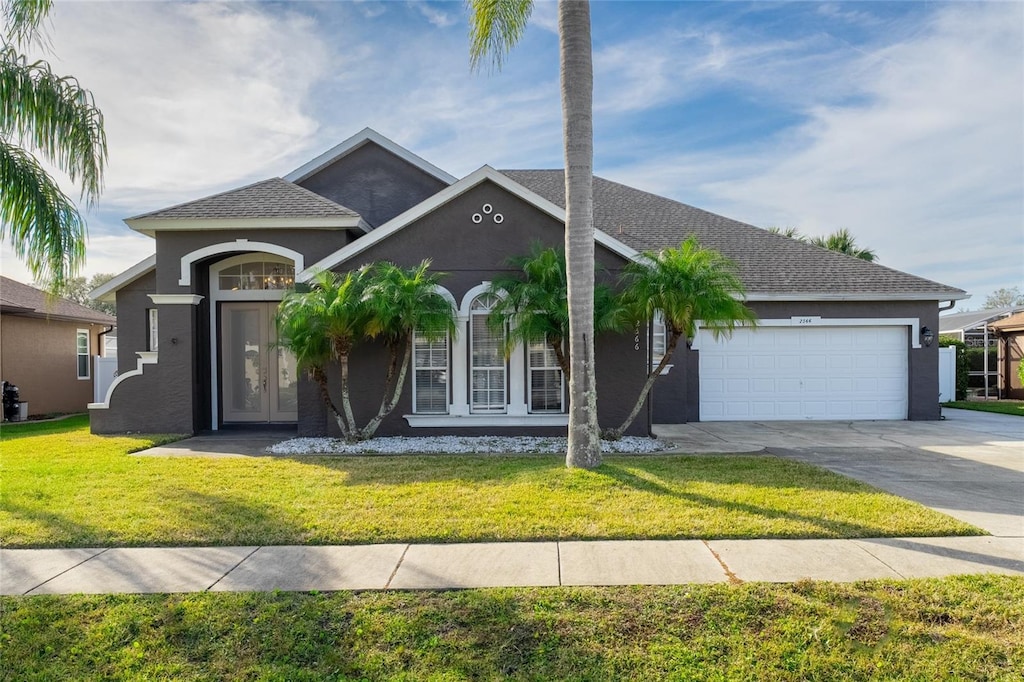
813,321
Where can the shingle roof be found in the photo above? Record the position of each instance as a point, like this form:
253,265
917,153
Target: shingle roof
21,299
974,318
273,198
768,263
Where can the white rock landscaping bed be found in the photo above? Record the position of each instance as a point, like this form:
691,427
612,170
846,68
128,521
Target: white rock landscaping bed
458,445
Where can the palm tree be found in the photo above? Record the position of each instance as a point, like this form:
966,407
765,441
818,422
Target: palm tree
324,324
54,118
533,306
401,302
687,285
841,241
495,26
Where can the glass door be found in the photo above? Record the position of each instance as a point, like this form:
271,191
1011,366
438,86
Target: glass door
258,380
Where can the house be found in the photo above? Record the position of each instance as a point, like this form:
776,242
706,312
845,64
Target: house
47,347
975,329
1009,333
839,338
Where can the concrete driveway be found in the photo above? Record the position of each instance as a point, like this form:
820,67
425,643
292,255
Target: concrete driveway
970,465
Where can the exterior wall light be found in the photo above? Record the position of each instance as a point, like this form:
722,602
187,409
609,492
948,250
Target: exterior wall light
927,336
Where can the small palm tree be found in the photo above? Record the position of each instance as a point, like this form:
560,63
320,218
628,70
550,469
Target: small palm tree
533,306
54,118
324,324
687,285
399,302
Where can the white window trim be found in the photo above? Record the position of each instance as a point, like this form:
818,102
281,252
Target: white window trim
153,329
517,413
217,295
88,355
914,323
503,368
529,384
285,255
448,370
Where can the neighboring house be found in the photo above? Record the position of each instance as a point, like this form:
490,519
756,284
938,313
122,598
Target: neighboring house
975,329
839,338
1009,334
47,347
975,326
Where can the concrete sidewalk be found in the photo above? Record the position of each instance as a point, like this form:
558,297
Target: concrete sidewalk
513,564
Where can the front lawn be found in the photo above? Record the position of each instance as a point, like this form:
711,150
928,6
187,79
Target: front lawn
63,487
999,406
962,628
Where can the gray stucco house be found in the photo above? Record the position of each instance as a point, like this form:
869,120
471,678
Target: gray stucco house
838,338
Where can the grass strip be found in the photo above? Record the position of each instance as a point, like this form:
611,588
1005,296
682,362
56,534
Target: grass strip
1015,407
63,487
964,628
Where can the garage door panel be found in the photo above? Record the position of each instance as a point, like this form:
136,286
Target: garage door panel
809,373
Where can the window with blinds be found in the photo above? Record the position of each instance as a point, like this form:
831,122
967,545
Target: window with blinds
546,387
658,342
487,361
430,375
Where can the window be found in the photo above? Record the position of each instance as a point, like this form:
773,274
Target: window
545,378
430,375
152,328
82,349
487,361
658,338
258,274
110,345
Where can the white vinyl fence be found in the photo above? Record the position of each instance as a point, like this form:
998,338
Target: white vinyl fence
947,374
104,375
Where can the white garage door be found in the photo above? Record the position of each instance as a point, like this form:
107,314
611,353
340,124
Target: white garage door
773,373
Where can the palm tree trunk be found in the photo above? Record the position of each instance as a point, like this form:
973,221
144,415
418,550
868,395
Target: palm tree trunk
559,351
349,428
670,348
320,377
388,404
577,80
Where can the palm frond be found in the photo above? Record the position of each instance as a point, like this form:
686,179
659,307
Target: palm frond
55,117
24,18
495,26
40,222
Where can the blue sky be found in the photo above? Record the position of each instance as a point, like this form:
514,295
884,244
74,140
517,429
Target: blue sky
903,122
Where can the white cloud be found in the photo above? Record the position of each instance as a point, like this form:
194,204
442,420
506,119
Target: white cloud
194,95
926,167
436,16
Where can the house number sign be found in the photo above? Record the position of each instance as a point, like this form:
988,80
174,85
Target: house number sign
636,337
804,321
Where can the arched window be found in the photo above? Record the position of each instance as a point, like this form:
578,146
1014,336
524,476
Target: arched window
487,360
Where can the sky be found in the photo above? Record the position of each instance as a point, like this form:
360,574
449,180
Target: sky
902,122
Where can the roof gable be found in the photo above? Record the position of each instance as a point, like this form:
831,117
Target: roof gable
268,203
22,299
772,267
483,174
363,137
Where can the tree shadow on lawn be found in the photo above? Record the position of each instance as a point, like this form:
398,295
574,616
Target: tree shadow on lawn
754,470
826,527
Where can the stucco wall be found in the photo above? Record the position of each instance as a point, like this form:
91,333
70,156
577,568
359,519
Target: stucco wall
374,183
39,356
471,253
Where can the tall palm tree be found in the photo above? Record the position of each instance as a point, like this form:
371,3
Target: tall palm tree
401,302
533,306
53,118
687,285
841,241
496,26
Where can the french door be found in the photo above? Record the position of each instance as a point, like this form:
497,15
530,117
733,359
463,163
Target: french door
258,381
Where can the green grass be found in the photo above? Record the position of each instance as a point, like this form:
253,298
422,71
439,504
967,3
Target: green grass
962,628
63,487
998,406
